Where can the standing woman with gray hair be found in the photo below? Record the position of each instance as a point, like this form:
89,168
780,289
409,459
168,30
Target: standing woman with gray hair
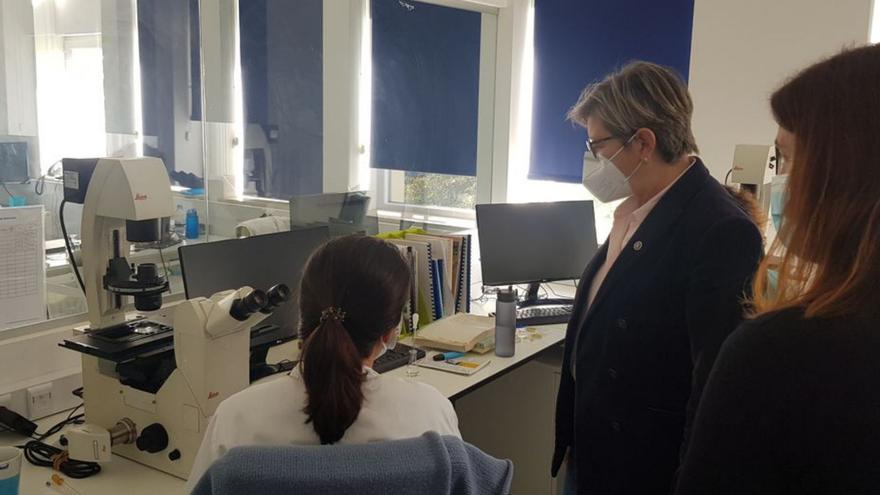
659,298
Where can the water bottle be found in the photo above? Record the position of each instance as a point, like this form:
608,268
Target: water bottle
505,323
192,224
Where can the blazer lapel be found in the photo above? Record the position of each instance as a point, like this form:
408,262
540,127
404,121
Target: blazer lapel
655,226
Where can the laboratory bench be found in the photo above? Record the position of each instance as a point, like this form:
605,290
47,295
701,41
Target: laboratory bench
506,409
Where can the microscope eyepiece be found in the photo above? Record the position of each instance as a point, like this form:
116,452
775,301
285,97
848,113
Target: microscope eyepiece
244,307
278,295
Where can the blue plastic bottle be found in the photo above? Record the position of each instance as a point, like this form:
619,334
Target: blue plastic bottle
192,224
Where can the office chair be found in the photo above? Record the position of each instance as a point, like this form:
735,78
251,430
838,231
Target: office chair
425,465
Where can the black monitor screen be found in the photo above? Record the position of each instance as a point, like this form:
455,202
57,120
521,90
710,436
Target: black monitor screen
259,262
535,242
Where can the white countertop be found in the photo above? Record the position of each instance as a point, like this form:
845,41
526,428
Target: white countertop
128,477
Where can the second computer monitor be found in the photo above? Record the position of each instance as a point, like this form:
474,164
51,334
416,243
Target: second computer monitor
535,242
260,262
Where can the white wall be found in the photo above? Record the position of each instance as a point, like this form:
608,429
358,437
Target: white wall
743,50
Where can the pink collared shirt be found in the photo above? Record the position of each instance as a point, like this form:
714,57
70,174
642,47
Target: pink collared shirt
627,218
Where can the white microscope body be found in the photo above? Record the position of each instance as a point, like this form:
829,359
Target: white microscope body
155,414
120,193
211,347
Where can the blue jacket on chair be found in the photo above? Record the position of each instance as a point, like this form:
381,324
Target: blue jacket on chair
429,464
636,362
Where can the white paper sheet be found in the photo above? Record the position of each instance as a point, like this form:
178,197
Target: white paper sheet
22,266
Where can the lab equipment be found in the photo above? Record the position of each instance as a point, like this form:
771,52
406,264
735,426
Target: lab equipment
126,204
149,395
16,201
535,243
412,370
10,470
395,358
192,224
263,261
754,166
505,323
11,420
266,224
14,162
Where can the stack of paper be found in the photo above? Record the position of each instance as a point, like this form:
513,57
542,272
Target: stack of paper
460,332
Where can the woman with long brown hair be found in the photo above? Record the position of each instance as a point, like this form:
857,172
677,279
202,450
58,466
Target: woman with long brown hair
793,402
351,300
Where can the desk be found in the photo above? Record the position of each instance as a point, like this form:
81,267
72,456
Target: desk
128,477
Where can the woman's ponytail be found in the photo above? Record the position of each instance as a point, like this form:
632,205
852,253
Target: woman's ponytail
333,378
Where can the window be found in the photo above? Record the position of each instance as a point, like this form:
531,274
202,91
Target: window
70,97
424,189
282,89
414,120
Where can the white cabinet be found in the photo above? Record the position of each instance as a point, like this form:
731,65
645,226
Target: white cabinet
18,77
513,418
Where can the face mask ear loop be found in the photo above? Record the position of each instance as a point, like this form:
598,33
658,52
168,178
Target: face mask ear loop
641,162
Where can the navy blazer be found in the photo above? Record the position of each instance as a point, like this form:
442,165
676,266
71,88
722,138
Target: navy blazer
636,362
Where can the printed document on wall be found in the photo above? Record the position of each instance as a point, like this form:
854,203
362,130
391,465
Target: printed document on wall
22,266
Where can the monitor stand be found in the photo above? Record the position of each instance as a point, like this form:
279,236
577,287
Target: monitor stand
533,300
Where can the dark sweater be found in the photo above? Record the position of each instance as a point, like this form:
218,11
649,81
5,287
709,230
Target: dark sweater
791,406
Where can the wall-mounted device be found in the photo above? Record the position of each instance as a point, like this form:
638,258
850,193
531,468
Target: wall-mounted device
754,166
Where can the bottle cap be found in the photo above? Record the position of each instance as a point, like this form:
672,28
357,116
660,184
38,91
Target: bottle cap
507,295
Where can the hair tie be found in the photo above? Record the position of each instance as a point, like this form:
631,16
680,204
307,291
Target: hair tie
331,313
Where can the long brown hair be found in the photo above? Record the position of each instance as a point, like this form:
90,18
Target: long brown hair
830,264
352,293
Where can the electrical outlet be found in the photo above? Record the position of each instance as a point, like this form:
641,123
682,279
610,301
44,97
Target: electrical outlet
39,399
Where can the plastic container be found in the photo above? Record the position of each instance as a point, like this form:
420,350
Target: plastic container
192,224
505,323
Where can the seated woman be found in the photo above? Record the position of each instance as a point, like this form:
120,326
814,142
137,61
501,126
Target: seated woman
792,404
351,299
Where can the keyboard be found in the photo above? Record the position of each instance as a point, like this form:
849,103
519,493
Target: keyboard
394,358
543,315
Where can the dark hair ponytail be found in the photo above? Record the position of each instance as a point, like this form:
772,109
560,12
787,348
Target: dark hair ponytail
352,293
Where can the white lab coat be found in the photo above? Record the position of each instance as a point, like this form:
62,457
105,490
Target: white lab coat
271,413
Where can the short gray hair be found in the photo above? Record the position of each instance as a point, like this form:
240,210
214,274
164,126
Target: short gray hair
642,94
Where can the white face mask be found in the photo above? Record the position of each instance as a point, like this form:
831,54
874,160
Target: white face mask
604,180
392,342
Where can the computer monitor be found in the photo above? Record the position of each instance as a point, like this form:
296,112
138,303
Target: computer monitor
535,242
13,162
260,262
348,207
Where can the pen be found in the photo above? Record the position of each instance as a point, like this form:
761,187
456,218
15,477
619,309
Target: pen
445,356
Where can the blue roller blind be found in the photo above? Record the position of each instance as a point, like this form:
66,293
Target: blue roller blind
580,41
283,90
426,78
